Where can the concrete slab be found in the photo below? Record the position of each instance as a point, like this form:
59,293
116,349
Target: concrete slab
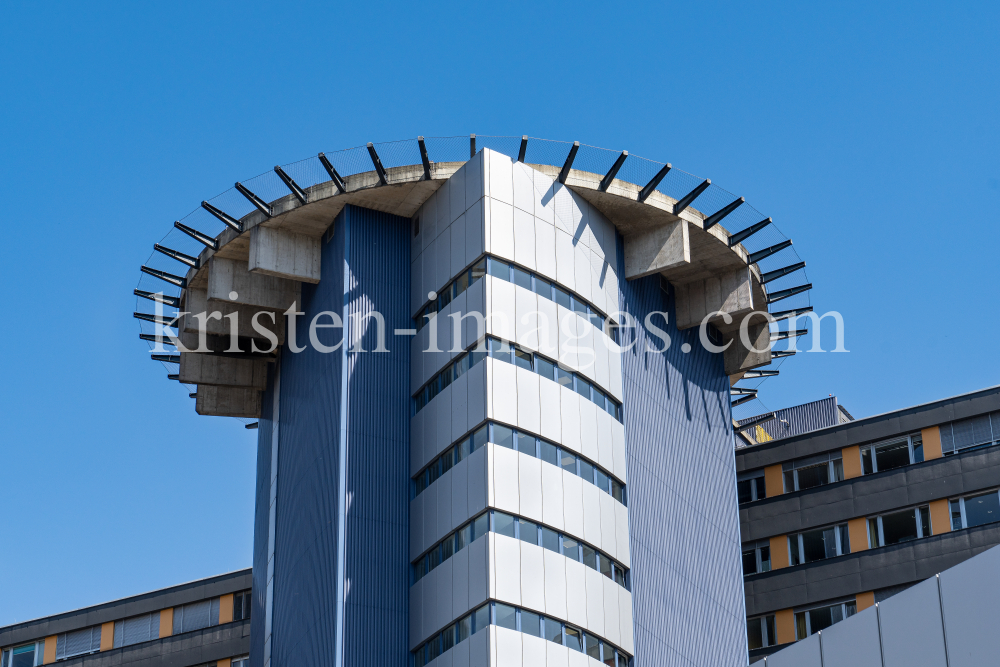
211,369
231,281
196,301
218,401
282,254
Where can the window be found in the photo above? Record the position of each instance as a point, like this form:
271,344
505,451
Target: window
78,642
891,454
977,510
750,487
813,620
760,632
196,616
137,629
757,558
813,471
519,620
451,545
980,431
525,443
241,605
820,544
889,529
242,661
28,655
464,281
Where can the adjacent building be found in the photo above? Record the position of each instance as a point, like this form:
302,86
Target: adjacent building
204,623
845,515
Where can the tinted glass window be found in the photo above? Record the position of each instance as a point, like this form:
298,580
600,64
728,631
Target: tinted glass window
499,269
522,359
749,562
593,647
481,618
521,277
571,548
506,616
531,623
589,557
567,461
744,491
586,471
525,443
478,271
899,527
582,387
543,288
892,456
528,532
755,635
821,619
503,524
553,630
982,509
503,436
819,544
550,453
563,377
546,368
562,297
480,437
813,476
574,639
550,539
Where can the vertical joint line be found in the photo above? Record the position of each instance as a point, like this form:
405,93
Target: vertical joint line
944,626
878,621
342,454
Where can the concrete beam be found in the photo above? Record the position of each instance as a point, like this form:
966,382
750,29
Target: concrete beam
737,359
196,301
730,292
231,281
658,248
218,401
210,369
282,254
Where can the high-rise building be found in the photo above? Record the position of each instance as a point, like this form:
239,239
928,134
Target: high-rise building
496,427
842,514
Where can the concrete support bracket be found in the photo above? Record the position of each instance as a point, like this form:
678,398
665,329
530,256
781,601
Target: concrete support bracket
210,369
282,254
658,248
228,402
230,280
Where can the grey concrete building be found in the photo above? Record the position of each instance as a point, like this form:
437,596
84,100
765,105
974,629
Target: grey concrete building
841,517
200,623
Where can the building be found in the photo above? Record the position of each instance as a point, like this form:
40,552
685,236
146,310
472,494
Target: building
840,517
204,623
491,491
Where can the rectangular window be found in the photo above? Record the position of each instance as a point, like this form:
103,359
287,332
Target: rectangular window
506,616
503,524
503,436
750,487
811,472
813,620
531,623
898,527
146,627
543,288
28,655
525,443
567,461
562,297
498,269
79,642
553,630
819,544
570,548
481,618
757,558
550,539
593,647
892,454
527,531
574,639
521,277
522,359
760,632
981,509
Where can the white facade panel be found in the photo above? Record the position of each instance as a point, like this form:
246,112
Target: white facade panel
478,487
460,654
595,601
474,186
609,533
501,176
526,324
477,393
805,653
508,648
611,619
503,308
530,486
581,267
565,256
501,224
457,246
532,567
505,479
481,649
528,403
473,329
507,569
589,431
475,234
552,496
545,249
533,651
548,336
524,239
523,188
504,392
569,403
568,337
619,455
555,655
550,410
576,593
544,192
625,620
854,642
456,193
555,584
591,514
911,627
573,503
479,579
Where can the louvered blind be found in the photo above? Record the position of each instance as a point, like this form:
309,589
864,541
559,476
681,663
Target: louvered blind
137,629
78,642
970,432
196,616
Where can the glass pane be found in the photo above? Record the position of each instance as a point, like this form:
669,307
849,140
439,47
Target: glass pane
755,636
545,368
619,575
562,297
956,515
589,556
769,628
447,638
481,618
617,491
744,491
873,533
522,359
579,307
550,539
818,544
605,565
463,537
447,548
497,268
900,527
478,271
793,546
480,437
563,377
570,548
550,453
800,626
765,559
525,443
521,277
850,609
982,509
925,521
461,284
503,436
503,524
789,481
918,449
499,349
506,616
528,531
574,639
582,387
892,456
461,365
866,461
531,623
845,539
464,628
480,526
761,488
543,288
567,461
813,476
593,647
821,619
622,659
587,471
553,630
749,562
601,480
838,470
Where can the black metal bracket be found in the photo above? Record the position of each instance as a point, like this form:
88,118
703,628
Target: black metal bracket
748,232
160,340
785,314
741,391
719,215
785,293
765,278
299,193
334,176
379,169
752,375
569,162
205,239
778,354
252,427
261,205
193,262
610,176
174,376
155,319
227,219
689,198
653,182
741,401
524,148
755,257
424,158
164,276
783,335
159,297
166,358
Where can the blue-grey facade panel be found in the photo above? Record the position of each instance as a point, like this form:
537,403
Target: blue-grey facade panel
801,419
265,427
365,267
683,523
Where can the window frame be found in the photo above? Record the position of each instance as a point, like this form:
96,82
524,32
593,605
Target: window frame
839,529
843,604
795,465
961,503
910,443
766,621
757,491
919,510
758,559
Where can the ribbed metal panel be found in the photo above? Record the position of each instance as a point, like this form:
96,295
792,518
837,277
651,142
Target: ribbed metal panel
304,626
801,418
264,430
687,588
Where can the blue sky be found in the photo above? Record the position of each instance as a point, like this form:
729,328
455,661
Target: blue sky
868,131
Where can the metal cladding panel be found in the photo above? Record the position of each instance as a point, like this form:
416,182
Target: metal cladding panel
801,419
265,427
378,478
683,522
371,251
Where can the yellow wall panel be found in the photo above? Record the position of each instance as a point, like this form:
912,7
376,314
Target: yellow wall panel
166,622
49,654
784,626
107,636
857,529
226,609
932,443
779,552
865,600
772,480
852,462
940,516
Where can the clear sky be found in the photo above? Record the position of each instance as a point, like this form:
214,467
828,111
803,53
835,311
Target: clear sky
867,130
